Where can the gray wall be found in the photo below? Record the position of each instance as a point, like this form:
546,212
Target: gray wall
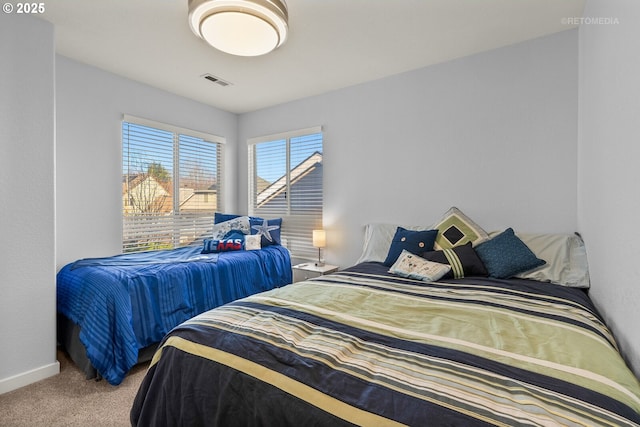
27,212
494,134
89,108
609,149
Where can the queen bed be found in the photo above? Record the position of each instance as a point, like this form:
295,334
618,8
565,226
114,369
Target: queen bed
374,345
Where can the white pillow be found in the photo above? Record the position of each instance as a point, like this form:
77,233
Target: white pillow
252,242
416,267
377,240
240,223
566,258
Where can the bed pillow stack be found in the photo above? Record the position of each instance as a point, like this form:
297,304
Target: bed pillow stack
449,242
457,236
472,252
236,232
267,229
469,250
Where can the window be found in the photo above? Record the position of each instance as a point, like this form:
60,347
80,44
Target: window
285,180
171,185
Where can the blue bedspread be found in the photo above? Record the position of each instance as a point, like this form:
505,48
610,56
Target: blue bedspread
127,302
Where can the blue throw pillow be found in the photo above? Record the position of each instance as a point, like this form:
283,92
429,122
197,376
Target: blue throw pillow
269,229
220,217
415,242
506,255
223,245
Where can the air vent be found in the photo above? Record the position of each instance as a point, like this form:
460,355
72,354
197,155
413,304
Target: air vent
216,80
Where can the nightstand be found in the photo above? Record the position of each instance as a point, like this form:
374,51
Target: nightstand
309,270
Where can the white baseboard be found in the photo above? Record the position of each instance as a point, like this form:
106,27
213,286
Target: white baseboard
29,377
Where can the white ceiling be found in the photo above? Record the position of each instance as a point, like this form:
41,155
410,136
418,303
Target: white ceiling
331,43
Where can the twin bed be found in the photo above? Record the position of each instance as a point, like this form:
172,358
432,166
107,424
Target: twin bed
113,312
506,335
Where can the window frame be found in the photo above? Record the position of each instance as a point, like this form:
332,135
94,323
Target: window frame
306,250
175,227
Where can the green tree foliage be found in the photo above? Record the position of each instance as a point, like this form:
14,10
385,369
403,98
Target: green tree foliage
159,172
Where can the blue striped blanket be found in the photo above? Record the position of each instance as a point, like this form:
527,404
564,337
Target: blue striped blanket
127,302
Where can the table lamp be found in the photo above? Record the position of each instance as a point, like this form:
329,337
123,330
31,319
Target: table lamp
319,241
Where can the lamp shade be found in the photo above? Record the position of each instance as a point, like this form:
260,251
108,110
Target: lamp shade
240,27
319,239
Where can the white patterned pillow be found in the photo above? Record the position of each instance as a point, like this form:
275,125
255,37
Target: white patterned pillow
252,242
416,267
240,223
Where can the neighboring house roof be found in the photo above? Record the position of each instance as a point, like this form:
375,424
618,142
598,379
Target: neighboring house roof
261,184
305,167
160,192
136,179
200,200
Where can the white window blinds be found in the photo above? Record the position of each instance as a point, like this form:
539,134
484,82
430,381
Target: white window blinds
285,181
171,185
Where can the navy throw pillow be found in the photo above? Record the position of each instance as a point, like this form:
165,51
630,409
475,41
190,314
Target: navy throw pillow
269,229
220,217
212,246
506,255
415,242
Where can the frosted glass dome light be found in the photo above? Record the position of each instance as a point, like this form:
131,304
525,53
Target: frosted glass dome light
240,27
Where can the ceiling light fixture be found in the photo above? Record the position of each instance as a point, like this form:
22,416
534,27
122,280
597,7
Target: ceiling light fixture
240,27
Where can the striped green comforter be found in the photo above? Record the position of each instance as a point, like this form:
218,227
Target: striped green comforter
362,347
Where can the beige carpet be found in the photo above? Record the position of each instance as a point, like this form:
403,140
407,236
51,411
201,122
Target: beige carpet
69,400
